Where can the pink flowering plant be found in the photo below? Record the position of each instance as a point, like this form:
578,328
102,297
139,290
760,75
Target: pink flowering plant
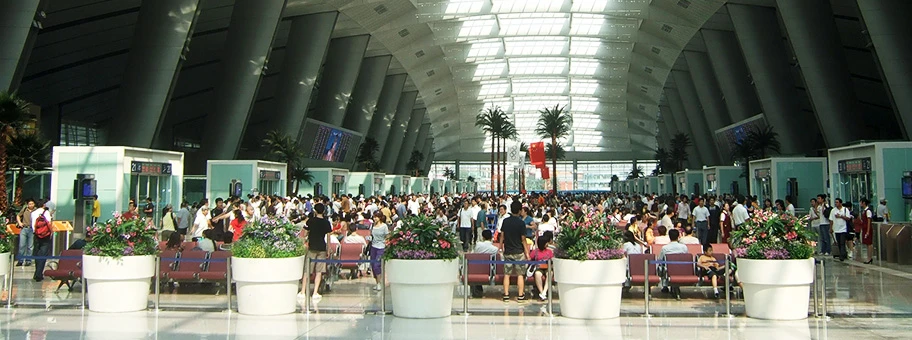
420,238
772,236
6,237
590,238
121,236
270,237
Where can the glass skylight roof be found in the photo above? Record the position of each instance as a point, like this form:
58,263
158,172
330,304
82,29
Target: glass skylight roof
533,54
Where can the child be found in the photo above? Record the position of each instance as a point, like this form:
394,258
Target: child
709,267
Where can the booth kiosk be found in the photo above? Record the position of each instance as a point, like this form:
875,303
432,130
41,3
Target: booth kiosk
367,184
326,182
121,174
666,184
775,178
449,187
652,185
875,171
226,178
689,182
720,180
406,185
641,185
421,185
395,184
437,186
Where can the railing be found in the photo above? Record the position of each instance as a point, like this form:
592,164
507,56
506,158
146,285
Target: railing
465,279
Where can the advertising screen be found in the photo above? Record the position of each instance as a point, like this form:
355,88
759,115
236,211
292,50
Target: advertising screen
331,145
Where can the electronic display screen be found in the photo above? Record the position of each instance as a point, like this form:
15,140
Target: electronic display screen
331,145
88,189
907,187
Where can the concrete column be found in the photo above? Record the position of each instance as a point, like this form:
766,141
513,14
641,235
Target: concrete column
816,43
708,91
694,155
363,102
343,61
428,153
304,54
386,109
671,127
15,24
251,33
397,131
732,73
423,133
411,135
157,50
765,55
702,137
885,21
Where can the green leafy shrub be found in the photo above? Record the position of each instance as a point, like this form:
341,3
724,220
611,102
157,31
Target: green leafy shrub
121,236
269,237
6,237
420,238
591,238
772,236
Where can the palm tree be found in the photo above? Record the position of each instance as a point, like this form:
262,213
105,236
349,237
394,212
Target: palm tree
300,173
414,164
614,178
561,154
554,123
507,131
636,172
367,154
679,144
282,148
485,120
764,141
14,114
27,151
449,174
662,156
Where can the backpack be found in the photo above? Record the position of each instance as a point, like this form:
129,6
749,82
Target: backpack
42,226
827,209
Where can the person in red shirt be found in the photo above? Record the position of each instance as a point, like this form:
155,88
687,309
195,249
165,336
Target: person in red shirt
131,211
237,225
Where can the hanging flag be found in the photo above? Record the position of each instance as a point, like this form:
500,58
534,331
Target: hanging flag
515,156
545,173
537,152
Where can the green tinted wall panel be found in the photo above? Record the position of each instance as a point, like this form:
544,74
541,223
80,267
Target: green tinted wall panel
895,162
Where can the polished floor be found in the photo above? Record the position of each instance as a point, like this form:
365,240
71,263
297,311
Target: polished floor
864,302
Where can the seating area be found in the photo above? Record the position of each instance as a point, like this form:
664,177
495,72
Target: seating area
194,266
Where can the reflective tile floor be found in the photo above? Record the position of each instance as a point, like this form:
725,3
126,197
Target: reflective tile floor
865,302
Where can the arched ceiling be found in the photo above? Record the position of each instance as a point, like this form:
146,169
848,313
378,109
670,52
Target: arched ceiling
606,60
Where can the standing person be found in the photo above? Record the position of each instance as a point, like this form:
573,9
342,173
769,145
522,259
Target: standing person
739,213
701,220
725,222
131,211
183,219
515,249
867,236
883,213
236,228
317,229
823,222
149,210
41,218
789,207
465,225
683,210
481,218
715,221
96,209
167,223
379,231
839,216
26,233
202,222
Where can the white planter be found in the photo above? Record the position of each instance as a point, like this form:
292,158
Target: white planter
422,289
118,285
776,289
267,286
590,289
4,264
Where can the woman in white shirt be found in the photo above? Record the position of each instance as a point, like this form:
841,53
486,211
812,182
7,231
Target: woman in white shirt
547,224
632,245
201,223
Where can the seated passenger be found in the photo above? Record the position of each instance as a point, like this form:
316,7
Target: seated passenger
688,236
673,247
205,243
174,242
542,253
707,266
663,236
483,247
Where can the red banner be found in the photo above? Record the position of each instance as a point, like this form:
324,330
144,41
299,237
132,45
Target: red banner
545,173
537,153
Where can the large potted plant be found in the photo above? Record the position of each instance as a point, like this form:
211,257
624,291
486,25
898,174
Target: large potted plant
118,264
774,265
421,268
590,268
6,246
267,263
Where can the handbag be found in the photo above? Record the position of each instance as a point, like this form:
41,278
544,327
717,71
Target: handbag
530,270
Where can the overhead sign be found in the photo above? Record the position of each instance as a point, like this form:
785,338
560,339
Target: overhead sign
148,168
857,165
268,175
762,173
710,177
339,179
